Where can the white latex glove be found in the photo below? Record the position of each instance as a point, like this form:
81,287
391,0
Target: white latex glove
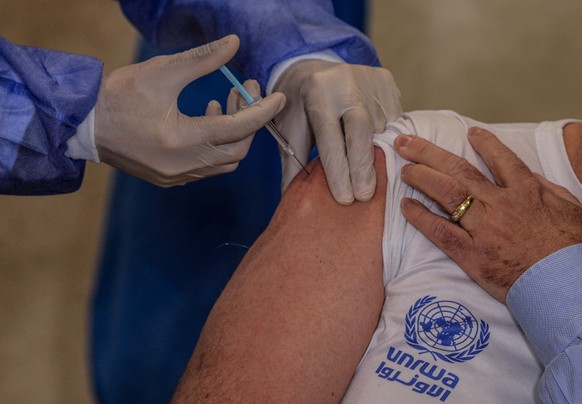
342,105
139,129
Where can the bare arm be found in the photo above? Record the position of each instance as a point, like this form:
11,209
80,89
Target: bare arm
297,316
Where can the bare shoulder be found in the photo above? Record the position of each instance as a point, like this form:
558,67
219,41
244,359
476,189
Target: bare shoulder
297,316
309,206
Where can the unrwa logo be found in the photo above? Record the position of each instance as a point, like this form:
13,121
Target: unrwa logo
445,329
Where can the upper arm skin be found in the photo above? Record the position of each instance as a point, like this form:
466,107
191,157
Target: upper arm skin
298,314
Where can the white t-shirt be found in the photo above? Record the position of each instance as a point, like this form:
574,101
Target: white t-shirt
441,338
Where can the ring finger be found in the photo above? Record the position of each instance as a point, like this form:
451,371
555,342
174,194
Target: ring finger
447,192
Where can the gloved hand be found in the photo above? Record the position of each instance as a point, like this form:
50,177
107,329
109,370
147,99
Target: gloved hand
342,105
139,129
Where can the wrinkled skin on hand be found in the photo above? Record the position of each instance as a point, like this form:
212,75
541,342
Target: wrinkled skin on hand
139,128
510,225
339,106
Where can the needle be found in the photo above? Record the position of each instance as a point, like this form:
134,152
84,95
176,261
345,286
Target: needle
271,127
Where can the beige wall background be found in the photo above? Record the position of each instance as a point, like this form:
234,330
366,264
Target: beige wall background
493,60
48,244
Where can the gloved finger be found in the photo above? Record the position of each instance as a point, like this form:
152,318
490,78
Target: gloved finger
200,161
332,151
194,175
232,152
213,108
236,101
378,115
388,97
359,127
214,171
172,73
233,128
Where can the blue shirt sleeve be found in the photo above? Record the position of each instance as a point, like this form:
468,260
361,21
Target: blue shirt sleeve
270,30
547,302
44,96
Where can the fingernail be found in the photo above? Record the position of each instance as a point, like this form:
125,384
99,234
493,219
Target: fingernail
405,203
226,39
346,201
364,196
404,169
402,141
474,130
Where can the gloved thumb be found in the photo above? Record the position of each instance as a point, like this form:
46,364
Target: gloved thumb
234,128
174,72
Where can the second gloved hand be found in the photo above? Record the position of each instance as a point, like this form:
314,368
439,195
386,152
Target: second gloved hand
139,129
342,106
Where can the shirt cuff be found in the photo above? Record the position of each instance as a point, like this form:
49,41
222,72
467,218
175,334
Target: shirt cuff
280,67
546,302
82,145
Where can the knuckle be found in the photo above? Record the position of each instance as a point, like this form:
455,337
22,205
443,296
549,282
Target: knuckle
169,142
240,151
533,186
387,76
421,146
450,242
167,173
501,201
163,181
454,194
460,168
315,81
246,125
202,51
253,87
456,165
227,168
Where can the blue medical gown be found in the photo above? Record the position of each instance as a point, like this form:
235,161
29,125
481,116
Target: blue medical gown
270,30
44,96
167,255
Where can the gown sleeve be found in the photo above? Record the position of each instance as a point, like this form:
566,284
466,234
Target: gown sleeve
44,96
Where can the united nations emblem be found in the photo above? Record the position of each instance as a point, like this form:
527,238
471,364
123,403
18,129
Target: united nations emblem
445,329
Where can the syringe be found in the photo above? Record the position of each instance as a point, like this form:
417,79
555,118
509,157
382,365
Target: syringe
271,127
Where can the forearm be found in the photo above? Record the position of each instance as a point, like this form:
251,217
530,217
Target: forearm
270,30
50,94
546,301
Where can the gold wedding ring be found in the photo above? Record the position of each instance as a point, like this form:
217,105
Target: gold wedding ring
461,209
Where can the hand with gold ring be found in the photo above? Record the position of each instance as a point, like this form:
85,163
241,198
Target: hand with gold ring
496,230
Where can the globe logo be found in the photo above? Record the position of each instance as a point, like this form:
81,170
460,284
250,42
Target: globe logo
445,330
446,325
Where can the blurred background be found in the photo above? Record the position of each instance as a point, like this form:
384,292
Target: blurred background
495,61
